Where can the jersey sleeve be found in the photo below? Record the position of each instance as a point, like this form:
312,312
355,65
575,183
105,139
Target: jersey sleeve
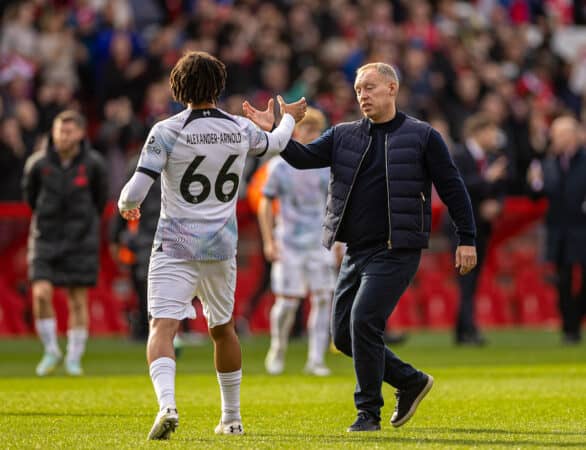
135,191
274,142
153,156
259,140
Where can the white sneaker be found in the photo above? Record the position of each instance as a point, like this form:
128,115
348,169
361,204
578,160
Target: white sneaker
165,423
319,370
275,362
48,364
73,368
234,427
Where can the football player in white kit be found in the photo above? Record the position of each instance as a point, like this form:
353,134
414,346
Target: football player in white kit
200,155
300,263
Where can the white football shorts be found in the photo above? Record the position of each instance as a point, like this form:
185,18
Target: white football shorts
173,283
297,272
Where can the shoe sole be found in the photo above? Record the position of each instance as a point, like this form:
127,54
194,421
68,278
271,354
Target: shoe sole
163,430
51,370
415,404
317,372
73,372
46,373
363,430
221,430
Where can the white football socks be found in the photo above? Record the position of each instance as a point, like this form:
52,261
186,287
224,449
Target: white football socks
282,318
230,390
47,331
162,371
318,327
76,339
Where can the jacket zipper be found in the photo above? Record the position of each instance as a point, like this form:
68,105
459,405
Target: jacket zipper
389,243
352,185
422,207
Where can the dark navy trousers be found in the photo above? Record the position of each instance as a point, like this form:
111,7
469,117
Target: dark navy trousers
370,283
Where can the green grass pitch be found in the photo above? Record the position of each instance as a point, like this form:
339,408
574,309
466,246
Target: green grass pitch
525,390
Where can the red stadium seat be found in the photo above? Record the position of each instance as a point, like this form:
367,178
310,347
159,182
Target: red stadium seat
12,311
535,299
106,312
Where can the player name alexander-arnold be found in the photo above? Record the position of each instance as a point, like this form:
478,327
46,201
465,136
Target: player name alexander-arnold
213,138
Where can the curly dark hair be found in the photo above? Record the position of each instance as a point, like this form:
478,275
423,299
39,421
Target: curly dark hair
197,77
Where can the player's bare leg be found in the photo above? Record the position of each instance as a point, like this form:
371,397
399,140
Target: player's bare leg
282,318
161,359
77,330
318,331
46,326
228,362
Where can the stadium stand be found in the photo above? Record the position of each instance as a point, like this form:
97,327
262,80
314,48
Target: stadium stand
522,62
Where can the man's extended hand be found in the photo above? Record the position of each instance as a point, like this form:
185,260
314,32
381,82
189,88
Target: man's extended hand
264,119
131,214
296,109
465,258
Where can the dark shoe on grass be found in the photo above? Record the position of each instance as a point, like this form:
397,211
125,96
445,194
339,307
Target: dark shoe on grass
571,338
409,399
471,340
364,422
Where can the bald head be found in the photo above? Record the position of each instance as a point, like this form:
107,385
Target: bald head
564,135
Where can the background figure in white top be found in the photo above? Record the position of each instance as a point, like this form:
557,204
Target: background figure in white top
200,155
300,263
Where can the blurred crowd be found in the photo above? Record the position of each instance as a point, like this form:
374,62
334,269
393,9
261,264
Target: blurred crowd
522,62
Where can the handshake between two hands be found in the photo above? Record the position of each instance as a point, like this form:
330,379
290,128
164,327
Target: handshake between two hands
266,119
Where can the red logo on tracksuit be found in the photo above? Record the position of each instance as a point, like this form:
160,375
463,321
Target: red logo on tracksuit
81,179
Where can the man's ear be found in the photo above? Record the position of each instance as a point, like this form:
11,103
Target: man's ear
393,88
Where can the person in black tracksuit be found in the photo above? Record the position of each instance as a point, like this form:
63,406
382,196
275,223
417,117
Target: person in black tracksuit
66,187
382,168
561,178
484,172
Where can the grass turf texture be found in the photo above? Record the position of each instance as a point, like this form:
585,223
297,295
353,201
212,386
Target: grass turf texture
525,390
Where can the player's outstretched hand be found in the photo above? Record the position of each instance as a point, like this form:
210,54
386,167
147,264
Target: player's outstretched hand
296,109
263,119
131,214
465,258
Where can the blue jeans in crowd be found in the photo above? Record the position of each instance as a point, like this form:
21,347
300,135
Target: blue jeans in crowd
370,283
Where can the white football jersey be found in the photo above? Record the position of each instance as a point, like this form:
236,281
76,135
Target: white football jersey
302,198
200,155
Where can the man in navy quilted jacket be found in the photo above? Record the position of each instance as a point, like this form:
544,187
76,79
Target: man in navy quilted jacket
382,169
